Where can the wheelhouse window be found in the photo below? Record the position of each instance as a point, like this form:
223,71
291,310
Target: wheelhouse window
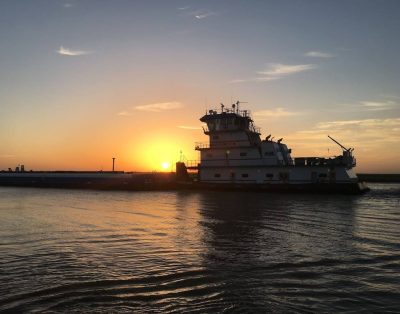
243,154
245,175
217,175
269,175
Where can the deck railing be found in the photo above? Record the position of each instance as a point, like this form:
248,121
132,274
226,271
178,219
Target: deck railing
255,129
243,113
201,145
192,163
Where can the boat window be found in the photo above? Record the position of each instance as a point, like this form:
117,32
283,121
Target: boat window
245,175
269,153
322,175
269,175
215,137
209,155
243,154
217,175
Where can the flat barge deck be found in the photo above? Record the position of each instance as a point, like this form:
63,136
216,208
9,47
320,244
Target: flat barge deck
96,180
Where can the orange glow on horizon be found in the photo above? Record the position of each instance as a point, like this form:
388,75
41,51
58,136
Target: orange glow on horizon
155,153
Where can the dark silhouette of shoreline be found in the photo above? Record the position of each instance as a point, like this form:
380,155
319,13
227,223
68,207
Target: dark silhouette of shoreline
379,177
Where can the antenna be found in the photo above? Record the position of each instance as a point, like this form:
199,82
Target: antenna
113,159
240,102
344,148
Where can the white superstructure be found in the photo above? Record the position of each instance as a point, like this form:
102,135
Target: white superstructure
236,155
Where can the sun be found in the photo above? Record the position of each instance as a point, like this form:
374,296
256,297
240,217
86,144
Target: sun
165,165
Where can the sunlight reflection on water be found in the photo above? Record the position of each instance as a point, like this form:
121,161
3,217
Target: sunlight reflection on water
200,251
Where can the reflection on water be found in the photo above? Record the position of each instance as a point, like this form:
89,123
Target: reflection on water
87,251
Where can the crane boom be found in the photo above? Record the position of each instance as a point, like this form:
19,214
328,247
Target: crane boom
344,148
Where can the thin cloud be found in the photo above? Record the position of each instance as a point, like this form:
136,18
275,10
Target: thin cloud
197,14
238,81
204,15
367,123
367,105
158,107
390,96
188,127
267,78
277,71
7,156
67,5
378,106
281,70
124,114
318,54
274,113
73,53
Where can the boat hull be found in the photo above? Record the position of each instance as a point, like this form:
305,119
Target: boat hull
164,181
326,188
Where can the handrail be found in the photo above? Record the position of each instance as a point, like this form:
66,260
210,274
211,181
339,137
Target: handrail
192,163
242,113
201,145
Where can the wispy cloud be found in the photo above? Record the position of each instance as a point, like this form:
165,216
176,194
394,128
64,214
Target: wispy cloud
239,81
197,14
280,70
267,78
390,96
378,106
274,113
276,71
318,54
367,123
188,127
67,5
203,15
124,114
7,156
69,52
367,105
157,107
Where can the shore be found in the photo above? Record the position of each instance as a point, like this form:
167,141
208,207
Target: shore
376,177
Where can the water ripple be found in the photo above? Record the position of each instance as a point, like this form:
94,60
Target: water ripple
173,252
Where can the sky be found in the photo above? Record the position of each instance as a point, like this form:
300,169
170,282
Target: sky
84,81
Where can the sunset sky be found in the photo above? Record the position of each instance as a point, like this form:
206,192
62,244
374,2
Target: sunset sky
84,81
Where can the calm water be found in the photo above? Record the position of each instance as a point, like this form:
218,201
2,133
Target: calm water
89,251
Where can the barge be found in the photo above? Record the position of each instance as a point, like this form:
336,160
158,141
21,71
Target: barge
234,158
96,180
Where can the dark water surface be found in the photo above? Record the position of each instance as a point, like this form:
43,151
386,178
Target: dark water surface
89,251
